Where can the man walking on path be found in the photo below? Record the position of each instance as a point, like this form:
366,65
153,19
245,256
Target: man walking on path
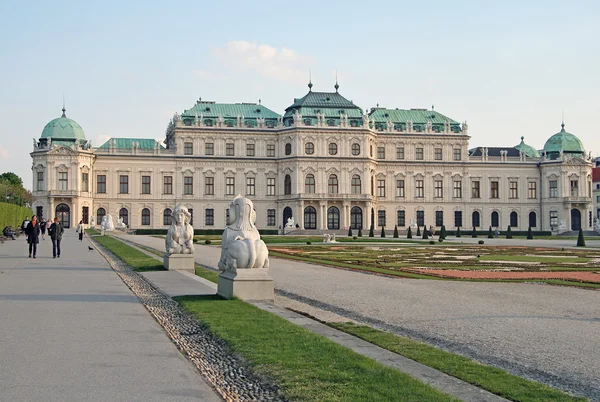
56,231
24,227
33,235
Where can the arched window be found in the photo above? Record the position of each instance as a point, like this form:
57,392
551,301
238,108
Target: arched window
167,217
310,218
333,218
532,219
309,184
332,148
288,149
476,219
100,213
356,184
495,219
332,184
355,149
309,148
287,185
514,219
124,215
145,217
356,218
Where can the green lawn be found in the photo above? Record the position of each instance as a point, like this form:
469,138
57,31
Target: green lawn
306,366
489,378
135,258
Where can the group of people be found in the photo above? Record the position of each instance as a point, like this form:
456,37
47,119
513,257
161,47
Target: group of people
34,228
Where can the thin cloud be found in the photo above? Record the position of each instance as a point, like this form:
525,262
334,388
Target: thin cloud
3,152
202,73
283,64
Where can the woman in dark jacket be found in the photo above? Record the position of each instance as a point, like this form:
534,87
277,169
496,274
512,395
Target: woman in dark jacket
33,235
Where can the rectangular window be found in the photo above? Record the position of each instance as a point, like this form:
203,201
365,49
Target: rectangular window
554,219
574,188
400,153
513,189
250,186
63,181
401,218
270,186
419,189
270,217
457,189
494,189
123,184
209,217
250,150
438,154
475,189
209,186
420,218
145,184
457,154
209,148
40,181
230,149
419,154
458,219
168,185
101,184
230,186
188,148
553,188
380,218
380,152
380,188
439,218
439,189
400,188
271,150
85,182
188,185
532,189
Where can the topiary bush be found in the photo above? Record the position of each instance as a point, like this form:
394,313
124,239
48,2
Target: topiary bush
207,241
425,233
431,242
409,233
382,231
354,237
458,234
481,242
309,242
580,239
443,232
395,231
529,234
490,234
440,239
474,234
508,232
418,231
359,232
350,231
372,231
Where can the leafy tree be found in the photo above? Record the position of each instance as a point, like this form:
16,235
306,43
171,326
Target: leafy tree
580,239
409,233
12,179
395,231
509,233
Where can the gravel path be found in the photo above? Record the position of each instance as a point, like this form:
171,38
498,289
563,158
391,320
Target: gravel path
547,333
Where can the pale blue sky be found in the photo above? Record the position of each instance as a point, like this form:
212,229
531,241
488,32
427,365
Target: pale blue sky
509,68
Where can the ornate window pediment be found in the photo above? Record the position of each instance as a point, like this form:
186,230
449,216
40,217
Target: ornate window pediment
438,177
287,170
250,173
419,176
62,168
209,172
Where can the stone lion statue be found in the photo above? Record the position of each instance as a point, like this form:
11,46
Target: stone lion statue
180,236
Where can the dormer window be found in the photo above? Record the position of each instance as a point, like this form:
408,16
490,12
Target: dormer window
207,109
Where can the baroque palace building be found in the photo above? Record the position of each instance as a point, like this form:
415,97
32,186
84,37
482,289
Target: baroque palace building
325,162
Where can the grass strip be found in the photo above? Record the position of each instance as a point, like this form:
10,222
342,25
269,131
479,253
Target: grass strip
132,257
532,258
489,378
304,365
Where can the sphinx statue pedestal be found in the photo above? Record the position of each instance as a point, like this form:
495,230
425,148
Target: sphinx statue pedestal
247,284
179,262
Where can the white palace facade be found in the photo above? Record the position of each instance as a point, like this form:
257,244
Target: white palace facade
325,162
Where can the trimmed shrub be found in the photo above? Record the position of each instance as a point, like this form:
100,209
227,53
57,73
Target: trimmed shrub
350,231
443,232
509,233
372,231
580,239
458,232
418,231
480,242
207,241
13,215
440,239
395,231
359,232
474,234
529,234
425,233
382,231
354,237
309,242
431,242
409,233
490,234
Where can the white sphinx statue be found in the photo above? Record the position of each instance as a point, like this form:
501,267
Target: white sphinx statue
241,246
562,226
120,224
180,236
290,223
107,223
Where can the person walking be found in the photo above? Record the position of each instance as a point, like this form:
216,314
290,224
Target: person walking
33,235
24,228
80,230
43,224
56,231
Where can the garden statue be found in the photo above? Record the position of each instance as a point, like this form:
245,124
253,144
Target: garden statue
290,223
120,224
180,236
92,222
107,223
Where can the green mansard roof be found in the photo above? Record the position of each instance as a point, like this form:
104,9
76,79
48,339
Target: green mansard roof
229,110
417,116
126,143
330,104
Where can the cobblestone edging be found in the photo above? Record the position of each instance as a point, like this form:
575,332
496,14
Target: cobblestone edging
227,373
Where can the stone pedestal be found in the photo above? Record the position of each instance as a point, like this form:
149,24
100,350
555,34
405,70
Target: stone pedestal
179,262
247,284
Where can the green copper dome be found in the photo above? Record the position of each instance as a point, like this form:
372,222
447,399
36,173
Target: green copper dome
563,141
528,150
63,128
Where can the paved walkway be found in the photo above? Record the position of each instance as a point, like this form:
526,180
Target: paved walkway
547,333
72,331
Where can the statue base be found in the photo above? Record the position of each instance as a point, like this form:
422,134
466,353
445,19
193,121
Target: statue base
247,284
179,262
